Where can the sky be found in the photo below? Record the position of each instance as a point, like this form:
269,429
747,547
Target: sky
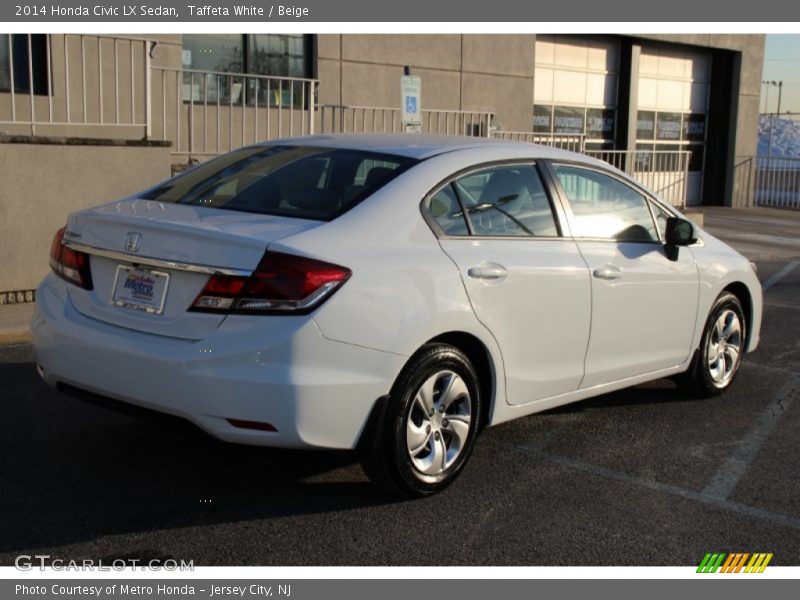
782,63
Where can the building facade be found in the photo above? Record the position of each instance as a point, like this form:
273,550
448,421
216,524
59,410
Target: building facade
85,118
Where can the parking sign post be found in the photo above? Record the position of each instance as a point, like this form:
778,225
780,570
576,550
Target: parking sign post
411,103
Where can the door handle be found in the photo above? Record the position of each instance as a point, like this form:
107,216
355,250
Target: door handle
493,272
607,272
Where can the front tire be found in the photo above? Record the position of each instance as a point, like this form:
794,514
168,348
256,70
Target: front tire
717,360
430,425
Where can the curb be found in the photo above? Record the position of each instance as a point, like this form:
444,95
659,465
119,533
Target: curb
15,335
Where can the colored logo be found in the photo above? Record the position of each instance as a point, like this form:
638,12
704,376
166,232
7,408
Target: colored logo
141,286
734,562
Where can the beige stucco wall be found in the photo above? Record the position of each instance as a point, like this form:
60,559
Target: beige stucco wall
47,182
459,72
484,72
44,183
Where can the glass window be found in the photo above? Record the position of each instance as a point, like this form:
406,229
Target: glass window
507,201
444,207
645,125
5,64
284,55
604,207
214,52
694,127
600,123
668,126
277,55
542,119
661,219
295,181
568,119
21,51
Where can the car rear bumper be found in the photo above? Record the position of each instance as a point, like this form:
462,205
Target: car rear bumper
280,371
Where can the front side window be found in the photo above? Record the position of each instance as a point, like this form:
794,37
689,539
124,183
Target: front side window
604,207
661,219
294,181
506,201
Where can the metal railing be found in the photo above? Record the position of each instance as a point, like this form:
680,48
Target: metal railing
665,172
338,118
213,112
777,182
566,141
100,81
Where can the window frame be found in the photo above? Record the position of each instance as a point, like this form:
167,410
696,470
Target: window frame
649,199
309,49
557,210
42,84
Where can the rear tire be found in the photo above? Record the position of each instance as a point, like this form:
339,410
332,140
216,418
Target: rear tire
717,360
430,425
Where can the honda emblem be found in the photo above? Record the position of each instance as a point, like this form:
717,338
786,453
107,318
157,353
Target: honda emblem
133,241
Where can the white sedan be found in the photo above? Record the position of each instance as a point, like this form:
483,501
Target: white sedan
390,294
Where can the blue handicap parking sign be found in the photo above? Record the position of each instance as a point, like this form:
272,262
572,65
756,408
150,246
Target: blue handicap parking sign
411,104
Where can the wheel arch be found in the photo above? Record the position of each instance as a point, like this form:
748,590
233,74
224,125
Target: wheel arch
481,358
742,293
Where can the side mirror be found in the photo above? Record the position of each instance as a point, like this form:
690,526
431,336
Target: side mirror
679,232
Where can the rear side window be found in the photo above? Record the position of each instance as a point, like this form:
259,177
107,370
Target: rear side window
446,210
502,201
294,181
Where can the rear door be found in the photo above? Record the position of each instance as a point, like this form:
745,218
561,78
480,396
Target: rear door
644,305
526,281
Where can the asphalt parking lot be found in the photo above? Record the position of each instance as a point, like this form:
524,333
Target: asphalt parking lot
643,476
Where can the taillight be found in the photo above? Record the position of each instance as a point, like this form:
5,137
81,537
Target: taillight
281,284
69,264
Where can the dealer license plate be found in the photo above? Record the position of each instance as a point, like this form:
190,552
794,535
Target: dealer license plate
140,289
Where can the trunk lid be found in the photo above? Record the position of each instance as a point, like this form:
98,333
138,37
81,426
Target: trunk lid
190,235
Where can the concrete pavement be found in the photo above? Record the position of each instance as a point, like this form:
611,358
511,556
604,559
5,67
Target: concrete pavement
14,319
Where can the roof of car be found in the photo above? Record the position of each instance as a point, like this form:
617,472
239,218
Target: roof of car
416,146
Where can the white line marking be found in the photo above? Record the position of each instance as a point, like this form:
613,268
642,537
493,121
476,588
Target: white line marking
657,486
735,466
779,305
779,275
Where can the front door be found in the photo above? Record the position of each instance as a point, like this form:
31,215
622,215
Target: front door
644,305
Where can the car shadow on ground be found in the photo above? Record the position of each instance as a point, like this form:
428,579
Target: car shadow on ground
70,471
660,391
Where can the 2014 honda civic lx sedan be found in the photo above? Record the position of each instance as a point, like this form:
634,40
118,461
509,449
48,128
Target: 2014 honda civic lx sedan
391,294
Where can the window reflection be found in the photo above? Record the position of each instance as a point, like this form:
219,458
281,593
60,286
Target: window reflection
604,207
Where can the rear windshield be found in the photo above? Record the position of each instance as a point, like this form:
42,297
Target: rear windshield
293,181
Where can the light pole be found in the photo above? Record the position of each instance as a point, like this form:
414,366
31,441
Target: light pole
779,85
